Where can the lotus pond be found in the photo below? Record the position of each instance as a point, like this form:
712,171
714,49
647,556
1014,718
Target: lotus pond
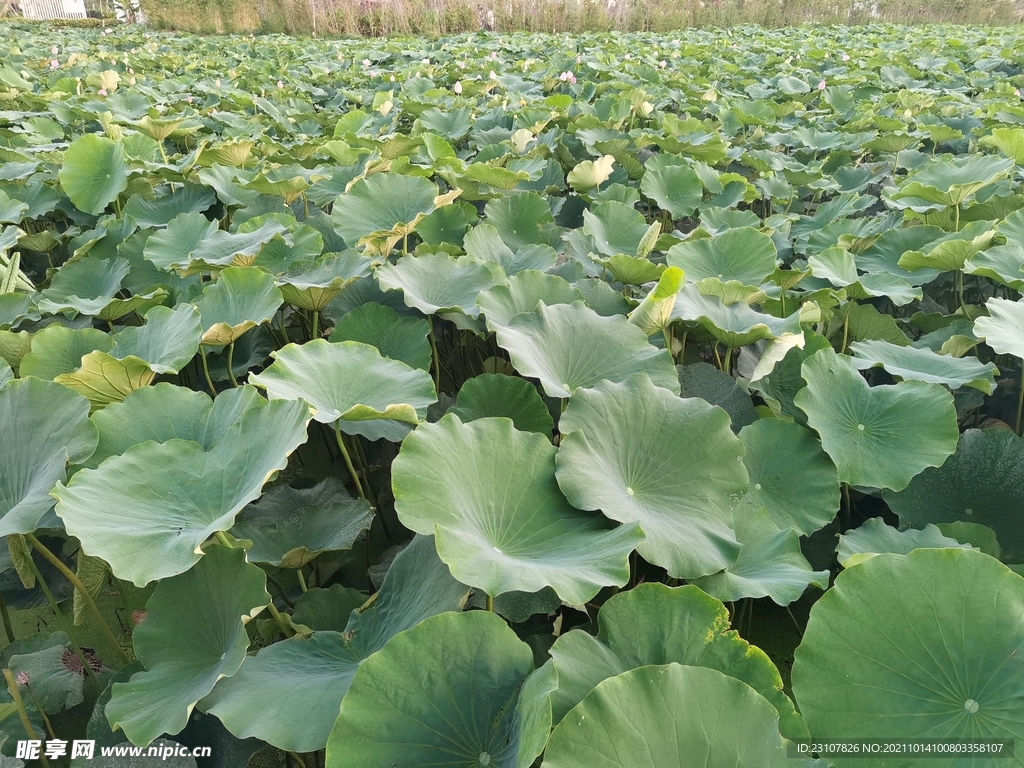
513,401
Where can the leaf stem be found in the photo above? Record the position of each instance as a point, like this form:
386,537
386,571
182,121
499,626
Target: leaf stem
1020,400
59,615
437,359
348,459
86,597
489,603
222,539
230,365
302,579
12,688
206,372
288,631
316,324
8,627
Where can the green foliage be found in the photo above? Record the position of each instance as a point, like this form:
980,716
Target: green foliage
375,399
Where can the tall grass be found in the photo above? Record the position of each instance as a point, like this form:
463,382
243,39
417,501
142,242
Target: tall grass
438,17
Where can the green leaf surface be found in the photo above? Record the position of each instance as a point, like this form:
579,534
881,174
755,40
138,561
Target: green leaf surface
94,172
640,454
488,494
642,719
45,426
567,346
371,395
877,436
193,635
936,633
147,511
270,696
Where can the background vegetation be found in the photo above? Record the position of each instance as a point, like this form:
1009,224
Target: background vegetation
437,17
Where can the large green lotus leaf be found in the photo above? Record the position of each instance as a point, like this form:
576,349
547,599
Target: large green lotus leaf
86,286
166,343
166,412
484,242
312,286
56,350
790,475
289,527
270,696
655,624
522,220
382,203
373,396
497,395
12,211
193,635
874,537
877,436
839,267
440,283
105,379
187,198
632,270
1003,329
1009,140
952,251
172,247
944,183
735,325
523,292
399,338
983,482
648,718
770,563
240,299
239,249
743,254
147,511
44,426
568,346
1004,264
923,645
641,454
615,227
488,494
94,172
915,364
675,188
442,694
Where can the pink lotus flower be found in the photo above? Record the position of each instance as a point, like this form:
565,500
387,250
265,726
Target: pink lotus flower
114,62
188,99
366,62
54,50
1016,92
102,91
54,64
280,84
846,57
662,64
392,78
457,88
493,75
821,86
494,55
567,77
